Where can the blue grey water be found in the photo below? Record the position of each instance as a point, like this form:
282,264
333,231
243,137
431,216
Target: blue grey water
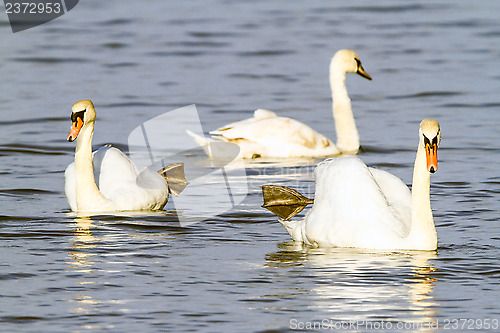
239,271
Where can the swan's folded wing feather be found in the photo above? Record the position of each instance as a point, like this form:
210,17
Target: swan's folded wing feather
278,130
263,113
350,208
114,169
259,114
129,188
397,194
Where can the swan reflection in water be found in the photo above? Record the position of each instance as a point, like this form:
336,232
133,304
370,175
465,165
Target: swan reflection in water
359,285
81,263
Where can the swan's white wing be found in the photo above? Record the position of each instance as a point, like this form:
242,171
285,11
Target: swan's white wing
350,209
397,194
121,182
112,168
109,182
278,128
268,135
258,114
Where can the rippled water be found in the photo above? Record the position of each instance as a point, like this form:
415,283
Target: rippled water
238,271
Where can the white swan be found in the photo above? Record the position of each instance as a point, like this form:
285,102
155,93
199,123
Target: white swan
267,135
121,185
358,206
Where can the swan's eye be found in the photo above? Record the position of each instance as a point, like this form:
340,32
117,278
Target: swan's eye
76,115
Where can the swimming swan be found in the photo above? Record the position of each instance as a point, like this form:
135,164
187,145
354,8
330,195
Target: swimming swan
362,207
267,135
121,185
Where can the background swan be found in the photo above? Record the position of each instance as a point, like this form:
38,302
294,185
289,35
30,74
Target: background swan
121,186
267,135
358,206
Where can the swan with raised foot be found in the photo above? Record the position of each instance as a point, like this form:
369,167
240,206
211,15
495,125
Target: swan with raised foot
362,207
121,185
267,135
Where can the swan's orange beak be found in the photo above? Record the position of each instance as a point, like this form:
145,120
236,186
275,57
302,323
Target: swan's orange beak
432,156
75,129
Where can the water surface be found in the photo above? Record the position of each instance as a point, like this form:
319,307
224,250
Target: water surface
238,271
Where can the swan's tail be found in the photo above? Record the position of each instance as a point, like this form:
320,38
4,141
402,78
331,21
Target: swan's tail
204,142
175,177
217,148
284,201
200,140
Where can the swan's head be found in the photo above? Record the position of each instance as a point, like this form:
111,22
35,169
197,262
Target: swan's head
82,113
430,137
348,62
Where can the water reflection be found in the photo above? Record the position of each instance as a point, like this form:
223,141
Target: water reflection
81,263
363,285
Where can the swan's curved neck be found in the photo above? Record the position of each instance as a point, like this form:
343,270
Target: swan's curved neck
345,126
422,230
86,189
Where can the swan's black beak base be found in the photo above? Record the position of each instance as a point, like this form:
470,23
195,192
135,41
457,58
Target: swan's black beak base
75,129
361,72
77,123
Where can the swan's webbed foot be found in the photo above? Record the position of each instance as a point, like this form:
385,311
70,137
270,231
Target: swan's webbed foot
175,177
284,201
